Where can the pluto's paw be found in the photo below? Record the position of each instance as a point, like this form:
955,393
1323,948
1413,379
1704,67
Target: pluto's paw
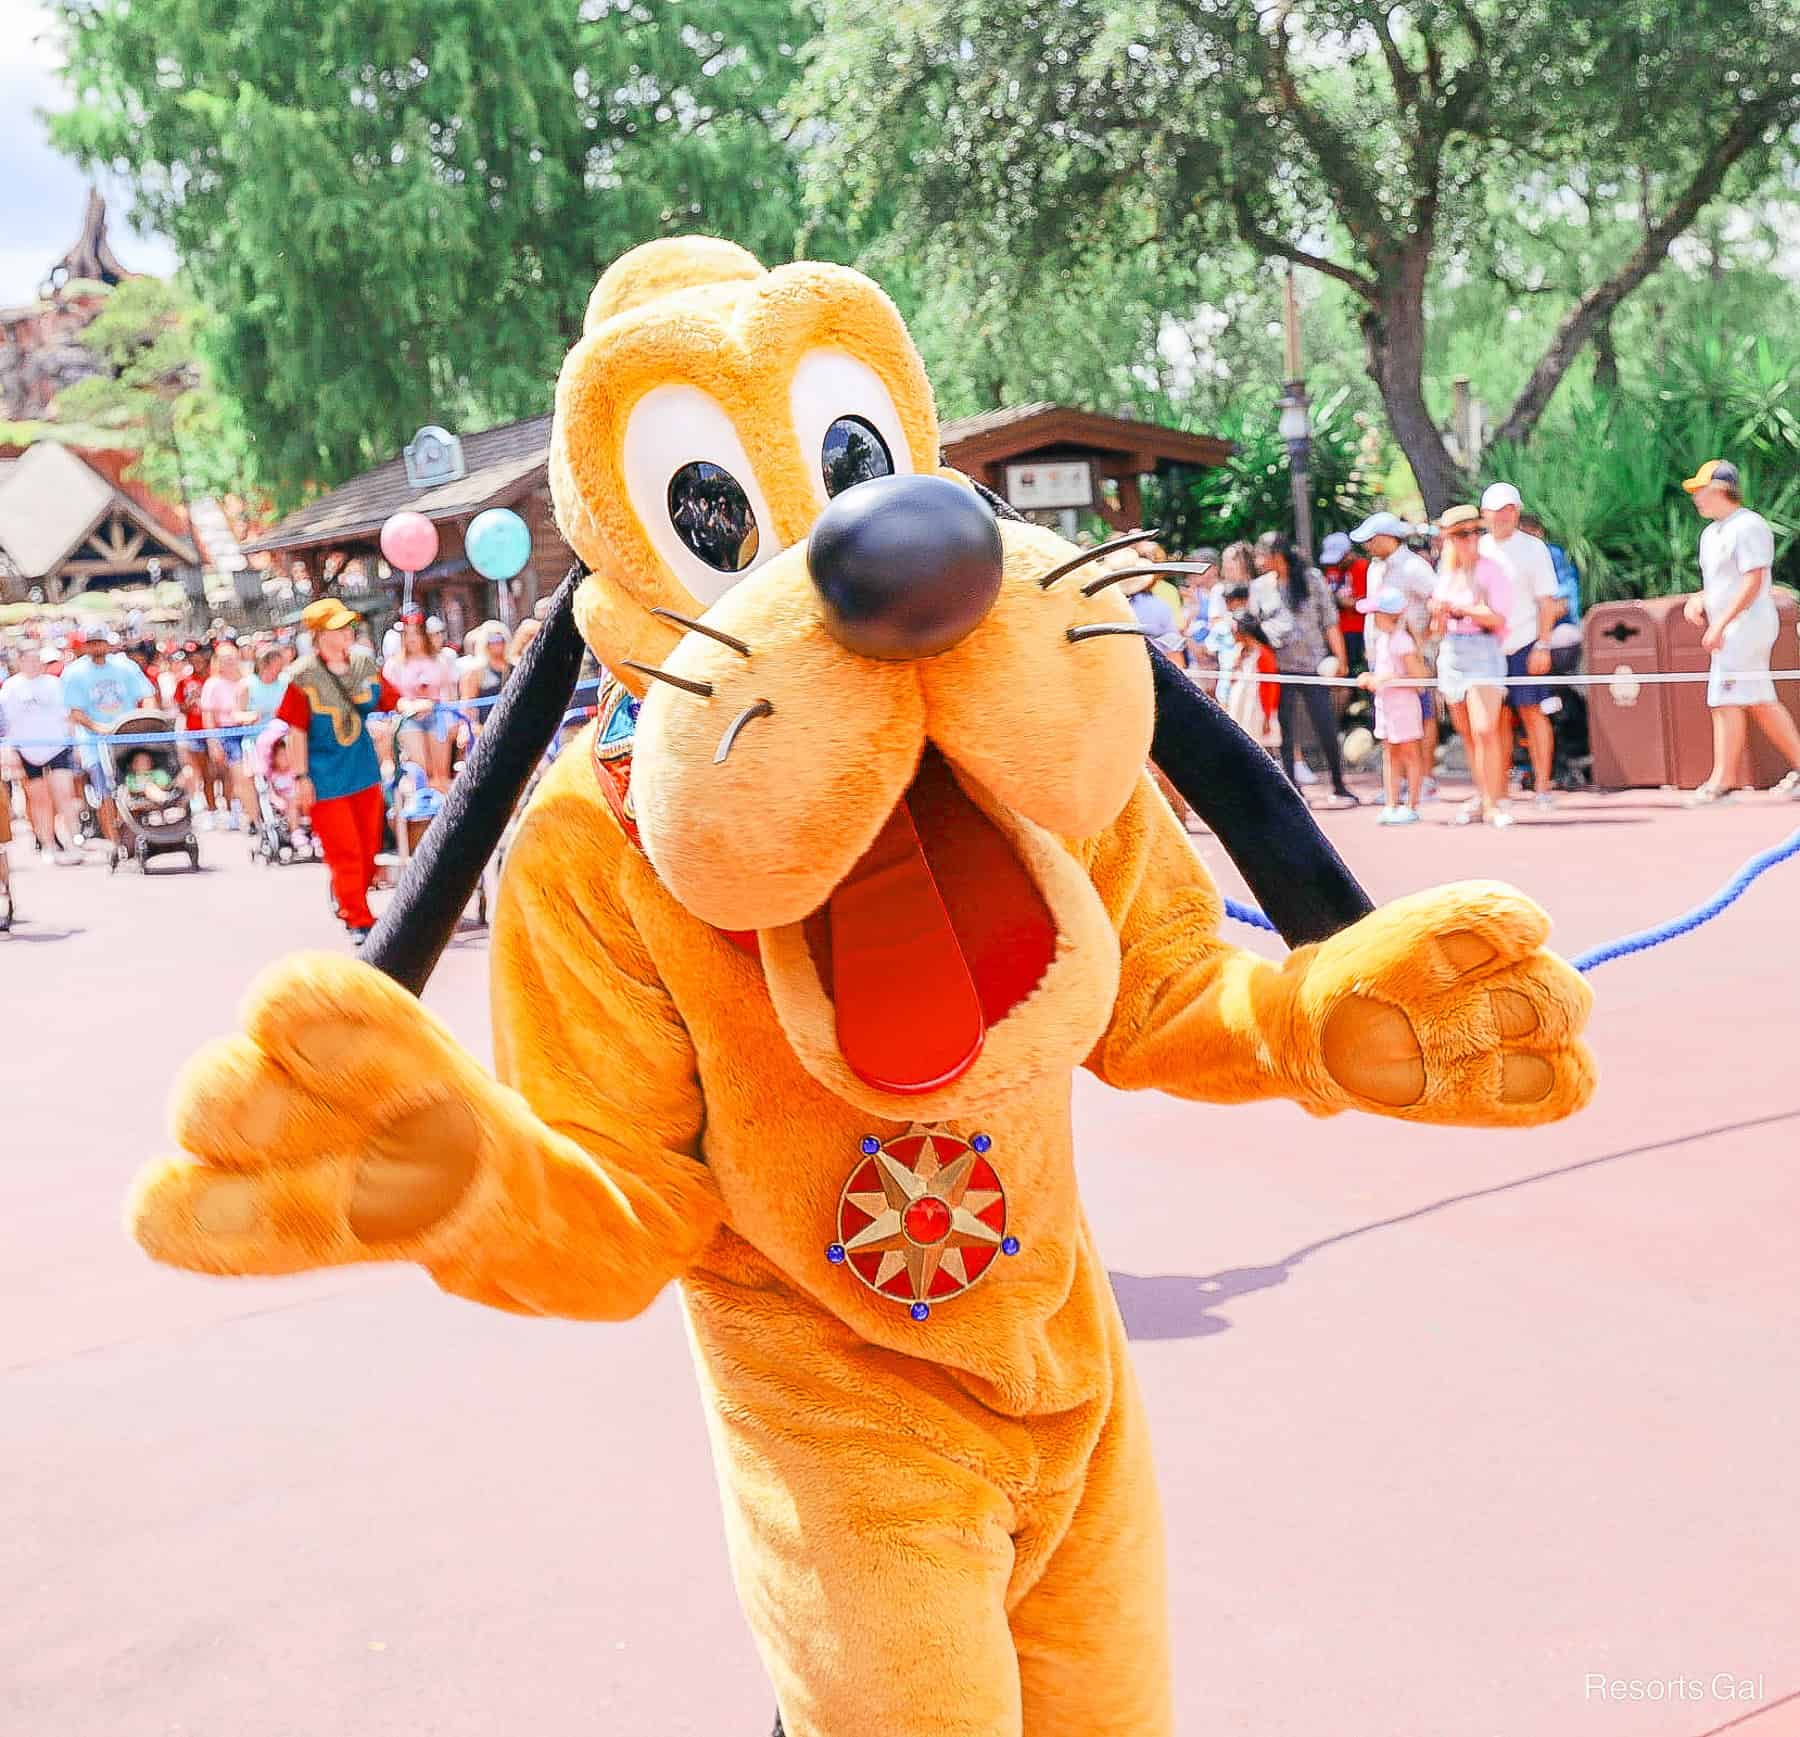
1446,1007
341,1126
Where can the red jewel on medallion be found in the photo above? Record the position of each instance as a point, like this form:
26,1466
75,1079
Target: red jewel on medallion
922,1217
926,1220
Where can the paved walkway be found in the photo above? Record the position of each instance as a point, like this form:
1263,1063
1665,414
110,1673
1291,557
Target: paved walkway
1448,1423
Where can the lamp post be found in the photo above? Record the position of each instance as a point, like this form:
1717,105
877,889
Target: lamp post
1296,430
1296,421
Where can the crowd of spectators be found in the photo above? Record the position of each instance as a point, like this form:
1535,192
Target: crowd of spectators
1377,612
65,682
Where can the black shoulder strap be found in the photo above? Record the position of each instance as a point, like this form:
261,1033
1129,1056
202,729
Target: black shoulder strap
1287,862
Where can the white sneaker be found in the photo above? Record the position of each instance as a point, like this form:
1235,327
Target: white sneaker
69,859
1304,774
1544,799
1404,816
1708,796
1789,786
1501,817
1468,814
1390,817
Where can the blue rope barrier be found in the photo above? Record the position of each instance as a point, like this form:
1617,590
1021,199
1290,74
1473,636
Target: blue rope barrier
79,737
1248,914
1733,890
1728,895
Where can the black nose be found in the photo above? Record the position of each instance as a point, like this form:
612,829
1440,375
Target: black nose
907,565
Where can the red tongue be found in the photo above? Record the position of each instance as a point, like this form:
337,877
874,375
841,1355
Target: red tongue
909,1015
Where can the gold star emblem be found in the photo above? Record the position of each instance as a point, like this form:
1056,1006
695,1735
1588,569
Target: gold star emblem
927,1198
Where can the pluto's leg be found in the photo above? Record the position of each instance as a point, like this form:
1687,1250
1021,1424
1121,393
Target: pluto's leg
1092,1630
873,1572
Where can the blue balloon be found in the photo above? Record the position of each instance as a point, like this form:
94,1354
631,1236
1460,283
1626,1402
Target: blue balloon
498,543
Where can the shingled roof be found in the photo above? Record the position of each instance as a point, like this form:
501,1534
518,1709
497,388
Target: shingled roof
508,462
1016,429
503,464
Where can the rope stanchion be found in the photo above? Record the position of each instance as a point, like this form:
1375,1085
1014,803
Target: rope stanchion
1643,939
1239,912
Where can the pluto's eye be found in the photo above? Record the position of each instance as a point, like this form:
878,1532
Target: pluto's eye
853,453
713,516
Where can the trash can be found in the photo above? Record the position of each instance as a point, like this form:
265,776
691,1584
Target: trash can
1627,729
1689,718
1646,736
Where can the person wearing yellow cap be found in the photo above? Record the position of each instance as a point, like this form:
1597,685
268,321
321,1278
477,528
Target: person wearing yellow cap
337,777
1736,606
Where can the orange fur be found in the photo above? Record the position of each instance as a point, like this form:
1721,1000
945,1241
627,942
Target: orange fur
676,1109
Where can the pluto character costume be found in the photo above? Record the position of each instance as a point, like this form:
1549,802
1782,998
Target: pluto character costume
787,1003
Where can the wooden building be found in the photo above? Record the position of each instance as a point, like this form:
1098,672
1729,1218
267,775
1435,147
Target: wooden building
71,522
341,531
1054,461
1051,461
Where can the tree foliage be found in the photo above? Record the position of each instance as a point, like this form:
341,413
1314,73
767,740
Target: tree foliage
1605,469
150,392
1252,491
1370,143
396,210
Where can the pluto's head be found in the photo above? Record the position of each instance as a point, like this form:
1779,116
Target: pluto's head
872,717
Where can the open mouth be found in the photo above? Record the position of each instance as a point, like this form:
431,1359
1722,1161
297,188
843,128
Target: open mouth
934,936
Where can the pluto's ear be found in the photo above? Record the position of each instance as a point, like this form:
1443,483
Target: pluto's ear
1261,819
658,268
1263,822
441,879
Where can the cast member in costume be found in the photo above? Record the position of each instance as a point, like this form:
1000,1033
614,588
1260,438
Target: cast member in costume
791,974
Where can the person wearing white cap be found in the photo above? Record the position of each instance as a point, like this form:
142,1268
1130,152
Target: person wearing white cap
1535,604
1393,561
1736,605
1346,571
1394,663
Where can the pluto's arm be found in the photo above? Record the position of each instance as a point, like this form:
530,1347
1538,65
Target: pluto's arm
346,1124
1440,1007
613,1200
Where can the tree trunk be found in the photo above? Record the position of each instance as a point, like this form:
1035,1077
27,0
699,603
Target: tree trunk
1394,332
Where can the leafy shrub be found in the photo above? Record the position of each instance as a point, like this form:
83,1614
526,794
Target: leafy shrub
1605,474
1251,492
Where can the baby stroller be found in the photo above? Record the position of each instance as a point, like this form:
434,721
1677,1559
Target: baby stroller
159,820
279,837
413,805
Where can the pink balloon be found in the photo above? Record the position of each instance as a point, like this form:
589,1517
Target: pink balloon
410,542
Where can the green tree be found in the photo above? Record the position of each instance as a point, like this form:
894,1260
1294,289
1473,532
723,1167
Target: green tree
150,393
395,211
1369,143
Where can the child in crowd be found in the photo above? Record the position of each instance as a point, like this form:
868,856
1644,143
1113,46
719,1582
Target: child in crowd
146,786
1394,658
279,779
1245,657
143,777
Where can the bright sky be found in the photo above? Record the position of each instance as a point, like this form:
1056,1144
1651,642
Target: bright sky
41,210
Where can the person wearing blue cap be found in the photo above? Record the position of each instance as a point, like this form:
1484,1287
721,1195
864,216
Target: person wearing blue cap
1394,662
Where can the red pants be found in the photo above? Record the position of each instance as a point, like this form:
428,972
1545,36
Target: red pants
348,829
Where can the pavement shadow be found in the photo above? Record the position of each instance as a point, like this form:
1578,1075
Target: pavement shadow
1744,1719
1184,1305
24,933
